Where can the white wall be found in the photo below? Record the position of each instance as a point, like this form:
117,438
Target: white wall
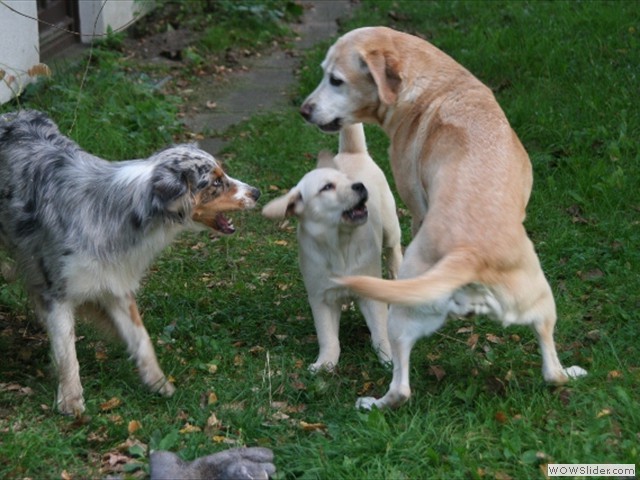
19,46
96,16
19,41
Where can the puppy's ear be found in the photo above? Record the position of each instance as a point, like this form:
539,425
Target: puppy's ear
284,206
385,70
325,160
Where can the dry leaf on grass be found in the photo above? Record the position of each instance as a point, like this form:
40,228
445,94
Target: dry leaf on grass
605,412
493,338
188,428
134,426
472,341
225,440
501,417
437,371
312,427
113,402
366,388
613,374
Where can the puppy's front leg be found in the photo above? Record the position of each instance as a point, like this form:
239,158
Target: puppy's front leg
123,312
326,318
60,324
406,326
375,314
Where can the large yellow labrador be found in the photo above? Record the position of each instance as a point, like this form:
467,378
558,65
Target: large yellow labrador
466,178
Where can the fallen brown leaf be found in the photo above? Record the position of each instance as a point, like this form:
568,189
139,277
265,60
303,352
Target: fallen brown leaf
366,388
502,476
110,404
437,371
594,274
225,440
312,427
613,374
188,428
493,338
501,417
134,426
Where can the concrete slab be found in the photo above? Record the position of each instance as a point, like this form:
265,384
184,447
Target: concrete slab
265,83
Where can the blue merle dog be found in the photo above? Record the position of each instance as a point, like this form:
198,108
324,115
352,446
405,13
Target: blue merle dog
82,232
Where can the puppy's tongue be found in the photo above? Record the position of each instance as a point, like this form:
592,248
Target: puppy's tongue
224,225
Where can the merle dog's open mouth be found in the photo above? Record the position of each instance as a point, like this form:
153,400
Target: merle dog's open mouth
224,225
357,214
332,126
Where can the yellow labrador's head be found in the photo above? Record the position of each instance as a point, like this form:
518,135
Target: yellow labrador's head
361,75
325,197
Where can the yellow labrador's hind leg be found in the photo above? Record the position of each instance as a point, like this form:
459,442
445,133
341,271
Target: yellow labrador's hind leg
543,325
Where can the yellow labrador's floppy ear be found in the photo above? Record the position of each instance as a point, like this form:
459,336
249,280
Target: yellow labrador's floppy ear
284,206
325,160
385,71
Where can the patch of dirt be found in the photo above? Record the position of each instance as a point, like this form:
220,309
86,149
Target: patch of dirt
169,44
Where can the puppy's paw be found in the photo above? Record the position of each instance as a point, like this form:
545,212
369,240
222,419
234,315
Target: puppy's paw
164,387
366,403
72,406
322,367
167,389
575,372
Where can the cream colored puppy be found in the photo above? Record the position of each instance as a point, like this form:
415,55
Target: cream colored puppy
461,170
347,215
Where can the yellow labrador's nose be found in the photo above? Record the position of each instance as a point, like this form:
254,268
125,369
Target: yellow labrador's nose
306,110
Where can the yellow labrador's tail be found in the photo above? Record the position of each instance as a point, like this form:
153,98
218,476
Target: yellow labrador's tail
453,271
352,139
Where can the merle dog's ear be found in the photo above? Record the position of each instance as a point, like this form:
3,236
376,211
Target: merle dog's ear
170,185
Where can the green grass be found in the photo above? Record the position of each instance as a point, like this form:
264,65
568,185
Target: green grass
230,316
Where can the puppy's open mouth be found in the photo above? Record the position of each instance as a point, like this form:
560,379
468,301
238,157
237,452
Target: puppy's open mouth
357,214
223,225
332,126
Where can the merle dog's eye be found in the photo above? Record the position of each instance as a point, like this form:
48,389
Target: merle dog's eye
328,186
217,182
335,81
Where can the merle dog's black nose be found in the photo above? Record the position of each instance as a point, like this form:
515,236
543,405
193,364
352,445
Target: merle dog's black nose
306,110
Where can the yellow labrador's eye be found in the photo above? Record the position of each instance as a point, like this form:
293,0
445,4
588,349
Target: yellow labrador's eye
327,187
335,81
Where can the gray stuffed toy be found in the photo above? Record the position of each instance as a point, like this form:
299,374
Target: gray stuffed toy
234,464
